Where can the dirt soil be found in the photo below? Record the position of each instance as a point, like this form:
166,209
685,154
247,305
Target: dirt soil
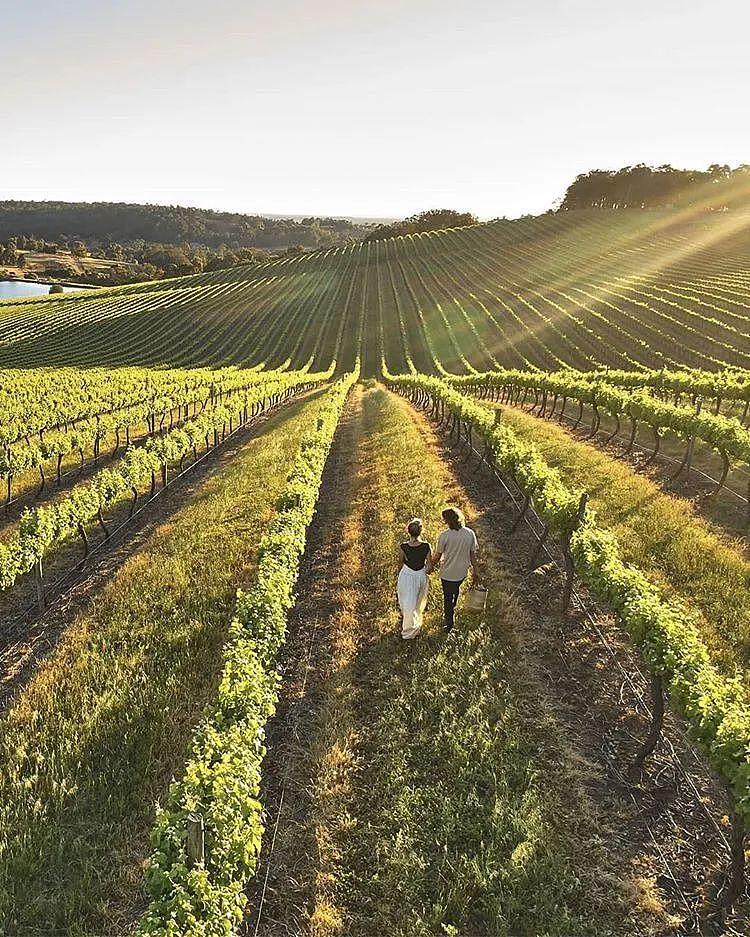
277,895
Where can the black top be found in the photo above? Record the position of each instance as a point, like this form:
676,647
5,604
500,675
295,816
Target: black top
415,557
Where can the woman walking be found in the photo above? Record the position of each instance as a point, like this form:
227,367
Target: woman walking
412,586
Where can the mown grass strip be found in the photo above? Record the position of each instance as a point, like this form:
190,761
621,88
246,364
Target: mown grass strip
714,703
443,801
222,778
93,739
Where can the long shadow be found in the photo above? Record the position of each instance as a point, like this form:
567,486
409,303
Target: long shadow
107,812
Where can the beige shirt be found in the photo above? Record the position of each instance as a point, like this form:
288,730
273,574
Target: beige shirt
456,547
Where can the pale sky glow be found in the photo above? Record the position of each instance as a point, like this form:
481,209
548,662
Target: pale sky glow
362,108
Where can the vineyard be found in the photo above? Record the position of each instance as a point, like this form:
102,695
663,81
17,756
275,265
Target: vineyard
210,724
574,290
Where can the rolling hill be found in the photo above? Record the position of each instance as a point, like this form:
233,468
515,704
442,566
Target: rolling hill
574,289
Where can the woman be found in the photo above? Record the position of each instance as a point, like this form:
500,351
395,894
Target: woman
412,583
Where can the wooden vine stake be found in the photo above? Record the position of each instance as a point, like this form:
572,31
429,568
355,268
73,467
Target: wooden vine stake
691,443
195,840
39,583
569,567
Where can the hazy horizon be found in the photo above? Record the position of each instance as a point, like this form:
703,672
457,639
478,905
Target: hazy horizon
367,111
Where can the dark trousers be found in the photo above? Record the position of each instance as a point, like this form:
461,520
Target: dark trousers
450,600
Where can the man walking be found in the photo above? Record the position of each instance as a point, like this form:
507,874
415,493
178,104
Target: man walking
457,548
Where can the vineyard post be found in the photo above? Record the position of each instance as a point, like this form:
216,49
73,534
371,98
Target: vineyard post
534,560
568,557
691,442
195,840
522,514
39,583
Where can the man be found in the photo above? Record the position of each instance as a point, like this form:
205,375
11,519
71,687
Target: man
457,548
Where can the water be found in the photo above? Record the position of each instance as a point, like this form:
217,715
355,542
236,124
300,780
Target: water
14,289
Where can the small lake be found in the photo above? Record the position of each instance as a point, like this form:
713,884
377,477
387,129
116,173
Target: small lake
15,289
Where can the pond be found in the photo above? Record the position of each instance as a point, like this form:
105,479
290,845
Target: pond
15,289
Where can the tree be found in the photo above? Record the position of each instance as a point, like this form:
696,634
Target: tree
434,220
641,186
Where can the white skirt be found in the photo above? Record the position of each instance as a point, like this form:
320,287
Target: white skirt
412,589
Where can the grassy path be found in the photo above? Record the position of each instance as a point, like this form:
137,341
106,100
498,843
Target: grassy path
658,532
428,790
93,739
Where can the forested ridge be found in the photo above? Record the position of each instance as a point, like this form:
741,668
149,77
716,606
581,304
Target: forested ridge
717,188
168,224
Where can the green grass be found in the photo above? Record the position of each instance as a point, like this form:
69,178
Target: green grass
94,738
443,801
659,533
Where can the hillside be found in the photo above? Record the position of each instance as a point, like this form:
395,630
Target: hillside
171,543
578,289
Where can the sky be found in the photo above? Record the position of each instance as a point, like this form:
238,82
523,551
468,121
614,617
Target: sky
368,108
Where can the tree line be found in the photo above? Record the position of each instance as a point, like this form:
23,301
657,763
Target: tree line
128,263
100,223
718,188
433,220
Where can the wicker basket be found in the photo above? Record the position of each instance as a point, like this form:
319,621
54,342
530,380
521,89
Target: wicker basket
476,600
